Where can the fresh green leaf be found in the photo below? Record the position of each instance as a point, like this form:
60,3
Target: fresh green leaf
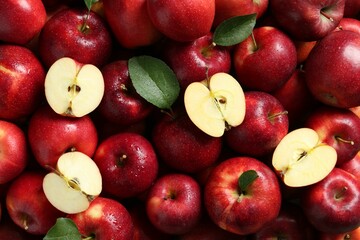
64,229
154,81
246,178
89,3
234,30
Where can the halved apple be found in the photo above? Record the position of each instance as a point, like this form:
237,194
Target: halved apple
72,88
301,159
215,104
74,183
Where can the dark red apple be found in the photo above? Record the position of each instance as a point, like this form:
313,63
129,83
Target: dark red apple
352,166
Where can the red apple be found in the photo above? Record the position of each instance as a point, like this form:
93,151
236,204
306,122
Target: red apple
352,166
72,33
28,206
21,20
333,204
352,8
242,210
265,124
196,60
22,79
307,20
265,60
352,235
50,135
303,49
14,151
175,19
335,84
121,104
173,203
130,23
351,24
104,219
339,128
127,163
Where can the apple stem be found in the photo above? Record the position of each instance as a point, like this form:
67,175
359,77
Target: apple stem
326,15
341,193
85,27
344,140
271,117
121,161
254,41
25,222
205,51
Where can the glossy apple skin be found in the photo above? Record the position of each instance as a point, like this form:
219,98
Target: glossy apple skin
130,23
121,104
352,235
106,219
239,213
182,146
14,151
128,164
351,24
196,60
175,19
267,65
333,204
335,84
22,82
173,203
62,35
265,124
352,166
28,206
21,20
335,125
50,135
301,19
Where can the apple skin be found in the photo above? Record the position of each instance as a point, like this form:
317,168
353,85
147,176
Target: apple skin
303,49
352,166
175,19
234,211
225,9
352,235
337,126
62,36
196,60
22,79
14,151
268,64
351,24
173,203
335,85
105,219
28,206
21,20
182,146
50,135
121,104
130,23
333,204
307,20
265,124
352,8
128,164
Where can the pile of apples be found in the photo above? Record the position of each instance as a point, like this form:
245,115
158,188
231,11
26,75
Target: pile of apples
191,119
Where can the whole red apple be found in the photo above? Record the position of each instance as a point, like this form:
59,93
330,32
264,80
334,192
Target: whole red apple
14,151
335,84
21,20
128,164
265,60
175,19
50,135
173,203
130,23
105,219
333,204
352,166
28,206
265,124
78,34
22,79
242,210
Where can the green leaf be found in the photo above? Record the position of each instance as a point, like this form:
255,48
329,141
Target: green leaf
234,30
154,81
89,3
246,178
64,229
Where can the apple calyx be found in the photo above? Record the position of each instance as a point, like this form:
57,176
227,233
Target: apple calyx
301,159
215,104
74,183
245,180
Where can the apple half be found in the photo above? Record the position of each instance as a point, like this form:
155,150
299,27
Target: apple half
215,104
74,183
72,88
301,159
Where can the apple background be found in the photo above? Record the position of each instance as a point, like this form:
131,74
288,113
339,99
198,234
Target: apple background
162,177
